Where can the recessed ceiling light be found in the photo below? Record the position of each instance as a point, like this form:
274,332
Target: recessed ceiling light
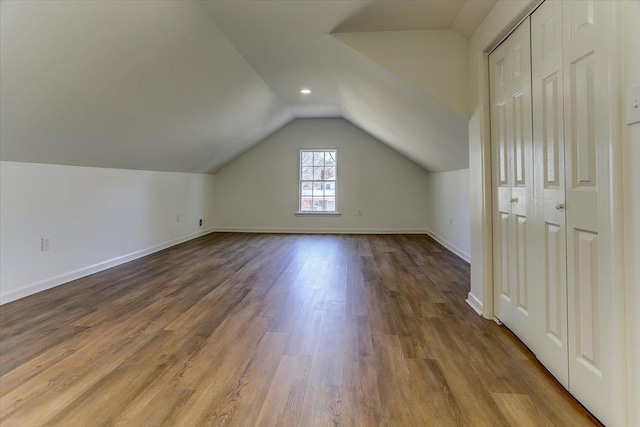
305,91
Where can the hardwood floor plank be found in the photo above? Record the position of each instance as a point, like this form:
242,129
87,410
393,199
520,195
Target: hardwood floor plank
394,382
473,398
306,329
158,411
520,410
361,395
272,330
101,352
283,404
241,406
328,355
215,383
431,389
322,406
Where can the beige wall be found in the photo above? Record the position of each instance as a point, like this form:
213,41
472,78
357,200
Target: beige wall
258,191
449,210
434,61
630,36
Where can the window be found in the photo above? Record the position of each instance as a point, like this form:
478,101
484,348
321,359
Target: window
318,173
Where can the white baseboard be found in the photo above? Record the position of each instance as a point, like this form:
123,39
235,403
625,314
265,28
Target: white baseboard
320,230
475,303
95,268
453,248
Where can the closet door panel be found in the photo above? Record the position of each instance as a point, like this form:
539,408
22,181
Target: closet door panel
502,181
548,136
587,104
522,207
512,152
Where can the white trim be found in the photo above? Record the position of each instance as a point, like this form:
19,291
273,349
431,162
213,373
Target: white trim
91,269
475,303
526,11
337,190
453,248
318,213
287,230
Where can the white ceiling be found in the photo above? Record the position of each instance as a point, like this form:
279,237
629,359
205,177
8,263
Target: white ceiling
166,86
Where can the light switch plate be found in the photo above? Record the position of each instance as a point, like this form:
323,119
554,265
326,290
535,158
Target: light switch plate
633,105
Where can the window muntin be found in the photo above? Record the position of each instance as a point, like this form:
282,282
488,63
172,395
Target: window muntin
318,181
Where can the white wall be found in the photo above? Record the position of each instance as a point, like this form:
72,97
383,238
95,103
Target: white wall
449,215
94,217
258,191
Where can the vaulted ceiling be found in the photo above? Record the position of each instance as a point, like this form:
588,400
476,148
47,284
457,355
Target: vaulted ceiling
188,86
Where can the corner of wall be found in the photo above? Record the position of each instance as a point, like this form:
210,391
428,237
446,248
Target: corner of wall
475,303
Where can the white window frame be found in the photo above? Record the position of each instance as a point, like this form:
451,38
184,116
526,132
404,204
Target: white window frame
299,210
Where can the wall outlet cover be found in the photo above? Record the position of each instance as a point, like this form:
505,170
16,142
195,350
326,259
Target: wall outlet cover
633,105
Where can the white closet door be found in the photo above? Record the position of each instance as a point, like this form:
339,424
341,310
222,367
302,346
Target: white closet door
550,295
588,138
511,140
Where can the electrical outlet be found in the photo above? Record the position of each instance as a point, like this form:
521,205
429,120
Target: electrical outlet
44,244
201,222
178,219
633,105
359,211
450,222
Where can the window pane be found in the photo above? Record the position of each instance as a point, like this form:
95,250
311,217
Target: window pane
330,189
306,204
330,158
318,158
307,172
317,189
330,204
306,188
307,158
318,174
330,173
318,204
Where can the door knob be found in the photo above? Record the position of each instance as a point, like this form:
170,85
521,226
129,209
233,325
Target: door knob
559,206
514,200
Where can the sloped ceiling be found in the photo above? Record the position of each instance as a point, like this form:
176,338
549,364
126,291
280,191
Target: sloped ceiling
149,85
187,86
289,44
435,61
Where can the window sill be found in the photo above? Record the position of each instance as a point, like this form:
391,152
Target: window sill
304,213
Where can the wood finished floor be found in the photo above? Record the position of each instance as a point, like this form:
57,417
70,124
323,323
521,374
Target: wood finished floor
272,330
